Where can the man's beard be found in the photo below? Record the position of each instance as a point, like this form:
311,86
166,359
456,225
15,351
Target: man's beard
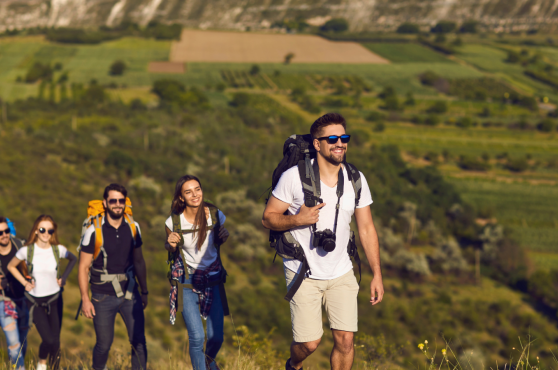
115,216
5,245
334,159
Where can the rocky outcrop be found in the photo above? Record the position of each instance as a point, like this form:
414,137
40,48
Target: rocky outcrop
257,14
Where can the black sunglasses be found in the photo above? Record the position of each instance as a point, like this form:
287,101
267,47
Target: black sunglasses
114,201
42,230
332,139
7,232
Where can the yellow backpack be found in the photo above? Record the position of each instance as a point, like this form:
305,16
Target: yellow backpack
95,215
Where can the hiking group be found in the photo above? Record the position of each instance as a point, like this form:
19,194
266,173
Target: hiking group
315,193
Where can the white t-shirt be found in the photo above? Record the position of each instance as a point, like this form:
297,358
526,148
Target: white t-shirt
323,265
197,259
44,269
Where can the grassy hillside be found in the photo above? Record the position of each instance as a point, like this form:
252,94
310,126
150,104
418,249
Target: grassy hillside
428,166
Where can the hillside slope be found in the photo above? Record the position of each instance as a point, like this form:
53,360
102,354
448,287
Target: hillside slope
239,14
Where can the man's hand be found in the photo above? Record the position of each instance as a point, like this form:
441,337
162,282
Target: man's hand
87,308
61,282
144,300
309,216
376,290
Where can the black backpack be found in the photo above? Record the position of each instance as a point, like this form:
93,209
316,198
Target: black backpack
299,150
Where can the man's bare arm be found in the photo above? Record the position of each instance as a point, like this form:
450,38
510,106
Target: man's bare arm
369,240
275,219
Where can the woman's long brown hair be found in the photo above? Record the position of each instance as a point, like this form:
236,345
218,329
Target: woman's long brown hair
32,238
178,206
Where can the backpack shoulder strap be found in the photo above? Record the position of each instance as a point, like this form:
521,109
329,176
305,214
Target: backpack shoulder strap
17,243
310,182
177,226
215,225
56,252
132,224
98,223
354,176
30,253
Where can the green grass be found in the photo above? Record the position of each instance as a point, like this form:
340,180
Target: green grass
406,53
529,211
492,60
472,141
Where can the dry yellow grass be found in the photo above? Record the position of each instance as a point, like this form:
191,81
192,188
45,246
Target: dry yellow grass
214,46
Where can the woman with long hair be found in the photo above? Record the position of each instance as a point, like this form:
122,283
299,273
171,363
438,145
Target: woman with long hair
196,229
43,285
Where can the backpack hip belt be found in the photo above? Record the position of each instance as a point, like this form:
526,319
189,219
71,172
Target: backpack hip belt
115,279
34,304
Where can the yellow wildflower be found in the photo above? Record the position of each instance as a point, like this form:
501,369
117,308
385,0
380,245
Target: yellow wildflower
426,341
421,346
444,351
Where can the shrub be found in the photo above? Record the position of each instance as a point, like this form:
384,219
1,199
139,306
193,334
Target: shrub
392,103
472,164
240,99
440,38
429,78
387,92
517,165
38,71
444,27
169,90
117,68
360,136
255,70
438,107
410,99
432,120
513,57
379,127
464,122
375,116
546,125
335,25
469,27
408,28
162,31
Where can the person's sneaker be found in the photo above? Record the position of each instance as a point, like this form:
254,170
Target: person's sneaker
289,367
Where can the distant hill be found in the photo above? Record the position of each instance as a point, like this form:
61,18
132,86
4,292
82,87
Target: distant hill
236,14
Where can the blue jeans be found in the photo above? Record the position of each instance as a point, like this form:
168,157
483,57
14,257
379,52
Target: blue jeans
131,311
16,332
194,325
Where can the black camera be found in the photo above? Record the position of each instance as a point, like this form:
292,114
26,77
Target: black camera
324,239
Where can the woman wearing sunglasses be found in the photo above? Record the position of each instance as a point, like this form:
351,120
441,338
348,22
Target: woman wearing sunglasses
43,285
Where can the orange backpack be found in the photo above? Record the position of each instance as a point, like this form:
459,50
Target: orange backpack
95,215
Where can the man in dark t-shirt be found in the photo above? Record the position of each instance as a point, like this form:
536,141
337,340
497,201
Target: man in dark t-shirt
113,280
14,313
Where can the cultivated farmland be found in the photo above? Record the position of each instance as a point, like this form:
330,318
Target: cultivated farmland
211,46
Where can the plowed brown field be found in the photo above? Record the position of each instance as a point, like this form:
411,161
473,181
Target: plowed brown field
214,46
165,67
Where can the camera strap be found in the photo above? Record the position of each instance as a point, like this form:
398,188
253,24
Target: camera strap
315,177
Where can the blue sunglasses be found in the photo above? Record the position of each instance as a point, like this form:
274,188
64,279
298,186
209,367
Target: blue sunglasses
332,139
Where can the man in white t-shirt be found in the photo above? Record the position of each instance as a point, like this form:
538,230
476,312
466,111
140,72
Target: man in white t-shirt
331,280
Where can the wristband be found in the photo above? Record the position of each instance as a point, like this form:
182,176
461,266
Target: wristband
144,293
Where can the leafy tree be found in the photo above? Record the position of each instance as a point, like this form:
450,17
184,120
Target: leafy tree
408,28
38,71
457,42
440,38
432,120
464,122
444,27
472,164
429,78
517,164
240,99
335,25
546,125
169,90
469,27
255,70
387,92
438,107
513,57
410,99
288,58
117,68
375,116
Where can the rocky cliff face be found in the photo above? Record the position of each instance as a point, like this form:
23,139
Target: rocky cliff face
257,14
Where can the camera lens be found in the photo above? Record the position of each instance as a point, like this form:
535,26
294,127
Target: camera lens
329,245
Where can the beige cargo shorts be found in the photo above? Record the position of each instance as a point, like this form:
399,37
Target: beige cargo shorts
339,296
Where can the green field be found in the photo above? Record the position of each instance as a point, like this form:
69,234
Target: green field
406,53
529,211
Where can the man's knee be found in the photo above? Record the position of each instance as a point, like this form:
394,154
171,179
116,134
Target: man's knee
343,341
310,347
